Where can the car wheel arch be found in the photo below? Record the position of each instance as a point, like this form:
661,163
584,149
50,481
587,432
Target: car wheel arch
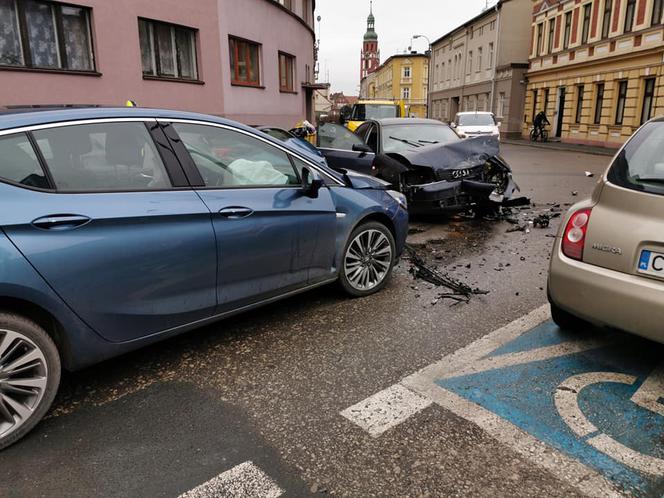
378,217
44,319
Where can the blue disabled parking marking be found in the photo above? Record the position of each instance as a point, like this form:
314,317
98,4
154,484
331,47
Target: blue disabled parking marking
525,394
546,334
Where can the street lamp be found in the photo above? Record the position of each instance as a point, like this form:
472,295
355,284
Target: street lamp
430,54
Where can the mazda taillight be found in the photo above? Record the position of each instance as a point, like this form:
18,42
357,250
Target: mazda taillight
574,237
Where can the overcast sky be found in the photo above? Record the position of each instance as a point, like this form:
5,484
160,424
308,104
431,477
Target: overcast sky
344,23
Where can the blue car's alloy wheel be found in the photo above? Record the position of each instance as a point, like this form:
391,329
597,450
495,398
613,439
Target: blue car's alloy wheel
368,259
29,376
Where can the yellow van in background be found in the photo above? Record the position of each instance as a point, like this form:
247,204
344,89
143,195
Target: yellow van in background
374,109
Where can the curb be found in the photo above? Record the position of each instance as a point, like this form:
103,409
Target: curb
565,148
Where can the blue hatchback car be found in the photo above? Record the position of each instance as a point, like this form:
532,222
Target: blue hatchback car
122,227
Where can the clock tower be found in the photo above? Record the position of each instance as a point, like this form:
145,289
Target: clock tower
370,59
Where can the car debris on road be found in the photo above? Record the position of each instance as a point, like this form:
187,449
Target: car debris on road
460,292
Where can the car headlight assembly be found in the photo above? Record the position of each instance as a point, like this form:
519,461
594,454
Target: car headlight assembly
399,197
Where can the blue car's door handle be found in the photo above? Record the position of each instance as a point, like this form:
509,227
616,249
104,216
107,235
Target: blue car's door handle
61,222
236,213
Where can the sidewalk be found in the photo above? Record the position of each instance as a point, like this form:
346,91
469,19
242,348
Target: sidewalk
586,149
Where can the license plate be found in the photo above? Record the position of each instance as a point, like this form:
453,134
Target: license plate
457,174
651,263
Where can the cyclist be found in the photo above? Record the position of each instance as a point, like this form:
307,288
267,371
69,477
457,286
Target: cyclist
540,121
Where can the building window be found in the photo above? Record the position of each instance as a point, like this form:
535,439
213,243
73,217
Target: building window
546,100
245,65
534,104
405,93
606,19
568,30
629,15
648,95
286,72
501,104
540,31
406,72
492,25
286,3
585,31
45,35
167,50
579,104
552,34
306,11
620,104
599,103
490,61
479,59
470,62
656,12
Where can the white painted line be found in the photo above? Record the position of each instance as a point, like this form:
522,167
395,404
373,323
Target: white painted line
567,403
242,481
627,456
386,409
565,468
422,383
651,391
566,398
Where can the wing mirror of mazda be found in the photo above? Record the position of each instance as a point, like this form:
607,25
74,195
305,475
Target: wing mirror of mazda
311,183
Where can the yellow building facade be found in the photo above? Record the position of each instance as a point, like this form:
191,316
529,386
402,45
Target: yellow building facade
596,68
403,77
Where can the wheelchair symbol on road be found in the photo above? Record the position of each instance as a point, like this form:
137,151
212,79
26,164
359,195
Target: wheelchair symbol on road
590,402
647,396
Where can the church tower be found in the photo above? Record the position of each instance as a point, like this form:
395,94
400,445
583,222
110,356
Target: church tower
370,59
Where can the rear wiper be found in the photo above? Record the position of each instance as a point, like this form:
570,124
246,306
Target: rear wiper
413,144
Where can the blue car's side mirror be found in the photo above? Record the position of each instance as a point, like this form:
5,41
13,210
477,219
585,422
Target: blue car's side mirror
311,183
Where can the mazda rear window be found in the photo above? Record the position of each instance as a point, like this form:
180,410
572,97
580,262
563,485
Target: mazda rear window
19,163
640,165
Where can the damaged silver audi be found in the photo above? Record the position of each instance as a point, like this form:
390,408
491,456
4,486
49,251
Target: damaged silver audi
437,171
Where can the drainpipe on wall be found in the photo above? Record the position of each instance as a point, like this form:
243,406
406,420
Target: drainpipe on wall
495,58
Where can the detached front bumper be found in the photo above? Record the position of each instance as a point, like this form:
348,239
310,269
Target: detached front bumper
446,196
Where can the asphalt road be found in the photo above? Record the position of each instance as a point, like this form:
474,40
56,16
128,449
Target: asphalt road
269,387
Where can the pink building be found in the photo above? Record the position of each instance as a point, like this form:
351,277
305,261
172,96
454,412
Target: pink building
248,60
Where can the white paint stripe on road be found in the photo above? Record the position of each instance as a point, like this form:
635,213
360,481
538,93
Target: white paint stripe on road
645,463
651,391
386,409
242,481
422,384
566,468
567,403
566,398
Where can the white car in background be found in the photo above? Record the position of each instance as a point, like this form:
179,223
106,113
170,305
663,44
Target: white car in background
472,124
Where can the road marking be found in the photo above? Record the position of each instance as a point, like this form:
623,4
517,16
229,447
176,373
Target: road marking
566,398
651,391
567,403
379,412
242,481
386,409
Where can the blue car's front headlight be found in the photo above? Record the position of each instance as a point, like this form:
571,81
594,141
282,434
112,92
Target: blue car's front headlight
399,197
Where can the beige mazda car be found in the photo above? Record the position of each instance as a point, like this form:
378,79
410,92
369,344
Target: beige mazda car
607,265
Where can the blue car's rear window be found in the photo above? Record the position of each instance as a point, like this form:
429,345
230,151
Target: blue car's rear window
19,163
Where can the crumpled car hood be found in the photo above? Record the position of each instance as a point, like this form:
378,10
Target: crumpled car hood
455,155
